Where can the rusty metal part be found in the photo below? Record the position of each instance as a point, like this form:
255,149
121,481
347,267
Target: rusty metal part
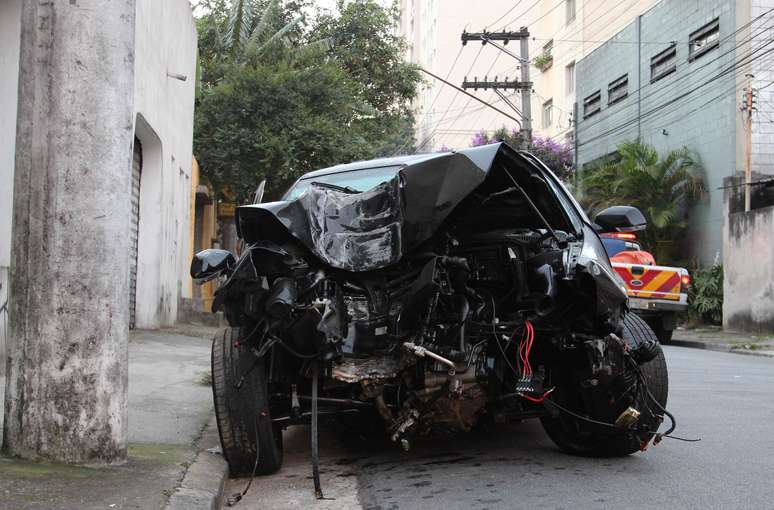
421,352
407,423
435,381
374,369
456,413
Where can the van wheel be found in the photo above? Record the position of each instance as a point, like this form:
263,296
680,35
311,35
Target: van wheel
244,422
657,325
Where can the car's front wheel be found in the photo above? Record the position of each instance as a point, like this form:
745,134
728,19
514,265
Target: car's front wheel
244,421
577,437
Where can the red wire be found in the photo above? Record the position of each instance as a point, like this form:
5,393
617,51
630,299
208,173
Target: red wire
530,338
539,399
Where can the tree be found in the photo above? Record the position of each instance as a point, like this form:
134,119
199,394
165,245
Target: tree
663,188
556,155
283,95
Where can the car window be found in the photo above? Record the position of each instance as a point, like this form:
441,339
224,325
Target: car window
360,180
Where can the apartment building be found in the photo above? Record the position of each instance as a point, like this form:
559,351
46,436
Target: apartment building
561,33
674,78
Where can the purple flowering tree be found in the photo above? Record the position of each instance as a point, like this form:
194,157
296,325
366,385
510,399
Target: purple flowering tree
558,156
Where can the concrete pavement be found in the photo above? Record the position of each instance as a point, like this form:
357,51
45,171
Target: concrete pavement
169,407
724,400
717,339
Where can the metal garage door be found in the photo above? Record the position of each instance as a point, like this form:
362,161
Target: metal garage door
134,229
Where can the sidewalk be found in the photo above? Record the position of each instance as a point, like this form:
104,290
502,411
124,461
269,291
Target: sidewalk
170,403
716,339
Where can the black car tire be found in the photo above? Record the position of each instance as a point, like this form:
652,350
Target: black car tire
244,421
563,429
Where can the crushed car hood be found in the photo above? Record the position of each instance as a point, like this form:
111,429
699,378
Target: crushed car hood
375,228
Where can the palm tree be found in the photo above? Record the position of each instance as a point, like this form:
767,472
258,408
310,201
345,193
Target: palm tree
663,188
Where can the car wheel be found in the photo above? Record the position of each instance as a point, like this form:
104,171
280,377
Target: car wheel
242,414
572,436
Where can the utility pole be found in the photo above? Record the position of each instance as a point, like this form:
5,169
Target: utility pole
66,391
526,104
524,84
747,107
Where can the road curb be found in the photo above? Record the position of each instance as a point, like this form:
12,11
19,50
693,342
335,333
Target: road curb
719,347
202,484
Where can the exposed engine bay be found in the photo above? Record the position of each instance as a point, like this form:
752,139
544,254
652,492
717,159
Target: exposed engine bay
448,289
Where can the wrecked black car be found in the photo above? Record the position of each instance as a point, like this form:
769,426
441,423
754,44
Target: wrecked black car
435,291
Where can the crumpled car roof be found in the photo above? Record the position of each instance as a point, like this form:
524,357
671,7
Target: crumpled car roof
377,227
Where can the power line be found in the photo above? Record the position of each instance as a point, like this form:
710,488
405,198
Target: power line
506,13
470,95
677,98
608,113
665,104
447,77
547,12
430,136
587,25
666,91
523,13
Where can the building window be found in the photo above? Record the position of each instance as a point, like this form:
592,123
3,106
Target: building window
548,112
664,63
545,59
618,89
569,7
569,72
704,39
592,104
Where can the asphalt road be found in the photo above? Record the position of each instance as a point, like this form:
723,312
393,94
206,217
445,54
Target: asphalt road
725,399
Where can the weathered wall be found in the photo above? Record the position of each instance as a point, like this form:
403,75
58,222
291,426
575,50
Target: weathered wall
10,30
166,46
66,386
748,264
705,120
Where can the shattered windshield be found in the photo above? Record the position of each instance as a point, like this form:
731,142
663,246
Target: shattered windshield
359,180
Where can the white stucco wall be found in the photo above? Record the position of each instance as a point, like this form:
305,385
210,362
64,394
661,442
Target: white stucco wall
748,296
166,45
10,31
10,27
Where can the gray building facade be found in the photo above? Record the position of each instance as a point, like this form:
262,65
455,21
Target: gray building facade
674,77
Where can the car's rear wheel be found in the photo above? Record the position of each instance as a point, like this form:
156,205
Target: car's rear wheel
576,437
243,417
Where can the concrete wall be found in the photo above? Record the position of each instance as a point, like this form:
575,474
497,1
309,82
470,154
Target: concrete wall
10,33
705,121
67,350
166,46
748,264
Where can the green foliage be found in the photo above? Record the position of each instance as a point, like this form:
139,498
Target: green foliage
283,95
663,188
706,295
543,61
556,155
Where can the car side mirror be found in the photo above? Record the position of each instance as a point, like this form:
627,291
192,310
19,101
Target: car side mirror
208,264
621,218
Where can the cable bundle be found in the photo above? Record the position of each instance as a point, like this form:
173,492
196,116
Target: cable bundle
525,346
